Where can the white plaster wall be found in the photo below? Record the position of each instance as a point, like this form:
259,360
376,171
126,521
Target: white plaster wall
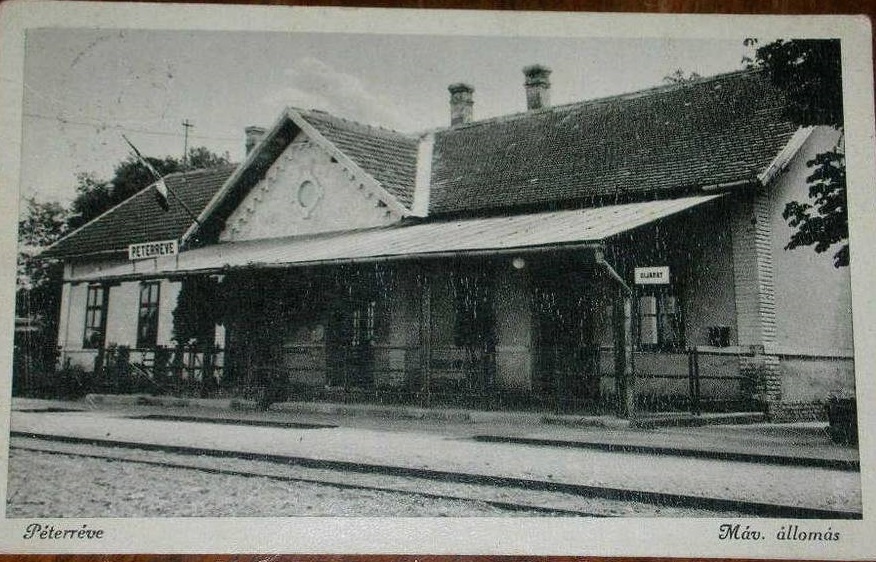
88,269
806,379
393,329
709,299
403,317
124,307
169,295
121,319
64,316
513,330
91,266
72,325
813,298
272,208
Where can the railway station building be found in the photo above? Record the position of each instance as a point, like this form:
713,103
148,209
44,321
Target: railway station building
575,257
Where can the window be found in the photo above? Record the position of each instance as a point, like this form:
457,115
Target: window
660,326
147,321
95,317
363,318
474,311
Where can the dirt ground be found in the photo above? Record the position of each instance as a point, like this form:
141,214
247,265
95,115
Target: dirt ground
104,488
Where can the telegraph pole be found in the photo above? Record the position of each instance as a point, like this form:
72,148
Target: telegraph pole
186,126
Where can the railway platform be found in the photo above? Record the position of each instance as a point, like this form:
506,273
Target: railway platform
736,437
745,464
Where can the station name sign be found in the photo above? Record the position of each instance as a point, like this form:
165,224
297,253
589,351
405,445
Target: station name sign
153,249
651,275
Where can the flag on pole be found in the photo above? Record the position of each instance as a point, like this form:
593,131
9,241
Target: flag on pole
161,193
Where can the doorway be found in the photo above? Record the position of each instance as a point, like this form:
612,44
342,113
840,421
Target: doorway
566,367
352,337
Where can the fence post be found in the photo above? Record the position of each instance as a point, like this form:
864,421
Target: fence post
426,337
690,378
695,398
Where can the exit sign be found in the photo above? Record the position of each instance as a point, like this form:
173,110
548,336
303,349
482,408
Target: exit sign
652,275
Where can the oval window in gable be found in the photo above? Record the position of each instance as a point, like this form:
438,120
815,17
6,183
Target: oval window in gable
309,194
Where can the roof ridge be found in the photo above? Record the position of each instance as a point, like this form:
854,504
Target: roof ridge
320,113
199,171
597,101
382,190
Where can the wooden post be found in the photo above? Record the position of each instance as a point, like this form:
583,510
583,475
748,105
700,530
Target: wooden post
632,338
696,364
620,353
624,340
426,335
690,378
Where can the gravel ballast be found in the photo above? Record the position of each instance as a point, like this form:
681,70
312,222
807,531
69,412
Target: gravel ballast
811,487
122,489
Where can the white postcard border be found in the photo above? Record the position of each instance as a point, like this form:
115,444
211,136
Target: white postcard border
620,537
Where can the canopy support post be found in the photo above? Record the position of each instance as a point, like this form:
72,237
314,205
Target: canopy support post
426,335
625,361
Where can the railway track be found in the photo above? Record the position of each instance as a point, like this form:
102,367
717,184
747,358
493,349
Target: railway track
510,494
297,474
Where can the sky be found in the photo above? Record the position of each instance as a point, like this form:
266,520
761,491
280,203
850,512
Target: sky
83,88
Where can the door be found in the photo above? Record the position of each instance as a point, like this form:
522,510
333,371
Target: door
567,355
351,340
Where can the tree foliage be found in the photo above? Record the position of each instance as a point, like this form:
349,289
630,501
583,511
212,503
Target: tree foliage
809,73
38,291
197,311
39,226
679,77
39,279
200,157
95,196
824,222
42,223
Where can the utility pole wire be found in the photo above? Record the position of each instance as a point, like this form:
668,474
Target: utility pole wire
186,126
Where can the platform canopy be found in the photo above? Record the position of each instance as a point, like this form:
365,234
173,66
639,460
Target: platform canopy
470,236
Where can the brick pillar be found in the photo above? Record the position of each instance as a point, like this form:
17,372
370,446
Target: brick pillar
755,294
763,371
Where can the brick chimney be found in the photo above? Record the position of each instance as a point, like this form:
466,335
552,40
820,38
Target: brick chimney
461,104
538,86
254,135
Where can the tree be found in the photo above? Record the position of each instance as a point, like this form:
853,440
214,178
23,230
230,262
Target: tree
198,311
201,158
826,222
95,196
40,225
38,289
678,77
809,73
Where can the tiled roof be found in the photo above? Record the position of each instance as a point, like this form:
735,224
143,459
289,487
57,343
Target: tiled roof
388,156
424,240
666,141
141,219
712,131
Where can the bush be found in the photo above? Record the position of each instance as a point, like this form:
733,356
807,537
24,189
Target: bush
72,382
842,414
